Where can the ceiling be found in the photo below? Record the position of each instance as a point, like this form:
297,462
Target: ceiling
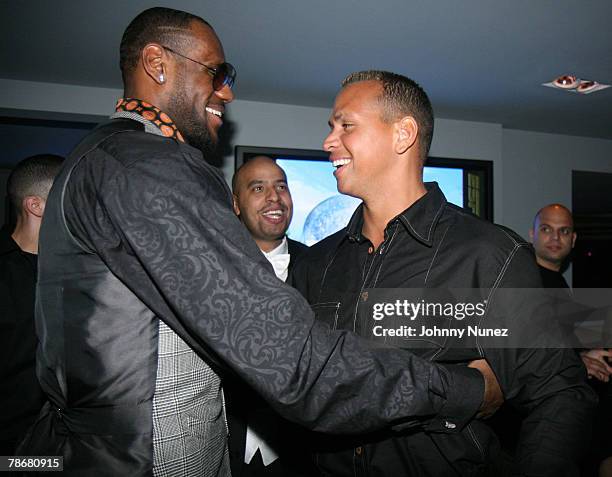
479,60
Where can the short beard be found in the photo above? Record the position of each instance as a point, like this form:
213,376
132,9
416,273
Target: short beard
194,130
197,135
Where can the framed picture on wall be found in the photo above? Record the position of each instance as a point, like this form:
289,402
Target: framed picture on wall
320,210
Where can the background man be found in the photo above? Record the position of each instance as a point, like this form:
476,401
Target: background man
20,395
553,239
149,287
262,202
405,235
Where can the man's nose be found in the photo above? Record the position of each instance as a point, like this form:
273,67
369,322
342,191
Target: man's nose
226,94
330,142
272,195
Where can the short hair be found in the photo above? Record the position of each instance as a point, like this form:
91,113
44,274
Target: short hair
401,97
32,176
154,25
238,171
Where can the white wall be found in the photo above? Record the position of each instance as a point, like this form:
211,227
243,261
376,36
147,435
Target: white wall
278,125
538,171
472,140
61,100
530,169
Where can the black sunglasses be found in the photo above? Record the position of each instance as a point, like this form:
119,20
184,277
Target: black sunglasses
224,74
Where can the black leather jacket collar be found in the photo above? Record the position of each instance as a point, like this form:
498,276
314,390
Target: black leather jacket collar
420,219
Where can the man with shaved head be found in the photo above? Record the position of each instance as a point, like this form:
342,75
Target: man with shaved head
262,201
553,239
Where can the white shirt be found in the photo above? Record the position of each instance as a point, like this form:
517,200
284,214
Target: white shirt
279,258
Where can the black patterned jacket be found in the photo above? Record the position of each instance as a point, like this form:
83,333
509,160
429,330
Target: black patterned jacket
144,230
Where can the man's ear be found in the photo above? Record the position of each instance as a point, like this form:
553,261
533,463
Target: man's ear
152,57
235,205
531,234
407,131
574,237
34,205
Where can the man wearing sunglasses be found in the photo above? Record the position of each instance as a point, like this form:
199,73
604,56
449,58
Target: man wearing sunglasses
150,289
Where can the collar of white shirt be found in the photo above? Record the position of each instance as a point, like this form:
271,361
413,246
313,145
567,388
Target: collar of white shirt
279,258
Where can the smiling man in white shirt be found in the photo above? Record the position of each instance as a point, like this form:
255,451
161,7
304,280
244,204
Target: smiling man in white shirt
262,201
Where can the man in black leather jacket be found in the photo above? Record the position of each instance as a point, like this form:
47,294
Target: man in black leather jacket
406,235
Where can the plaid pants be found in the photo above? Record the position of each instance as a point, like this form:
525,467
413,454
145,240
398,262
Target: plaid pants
189,425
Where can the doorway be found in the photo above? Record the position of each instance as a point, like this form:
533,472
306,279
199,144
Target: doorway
592,211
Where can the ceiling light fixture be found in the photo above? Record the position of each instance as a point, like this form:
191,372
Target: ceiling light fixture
566,82
587,86
573,84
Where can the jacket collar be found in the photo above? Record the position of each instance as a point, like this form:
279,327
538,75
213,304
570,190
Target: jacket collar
420,219
7,244
149,115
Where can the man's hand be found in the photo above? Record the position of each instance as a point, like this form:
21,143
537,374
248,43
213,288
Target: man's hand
493,396
596,365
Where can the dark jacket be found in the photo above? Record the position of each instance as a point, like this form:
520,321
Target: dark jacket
552,279
140,228
435,245
296,251
242,402
20,395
